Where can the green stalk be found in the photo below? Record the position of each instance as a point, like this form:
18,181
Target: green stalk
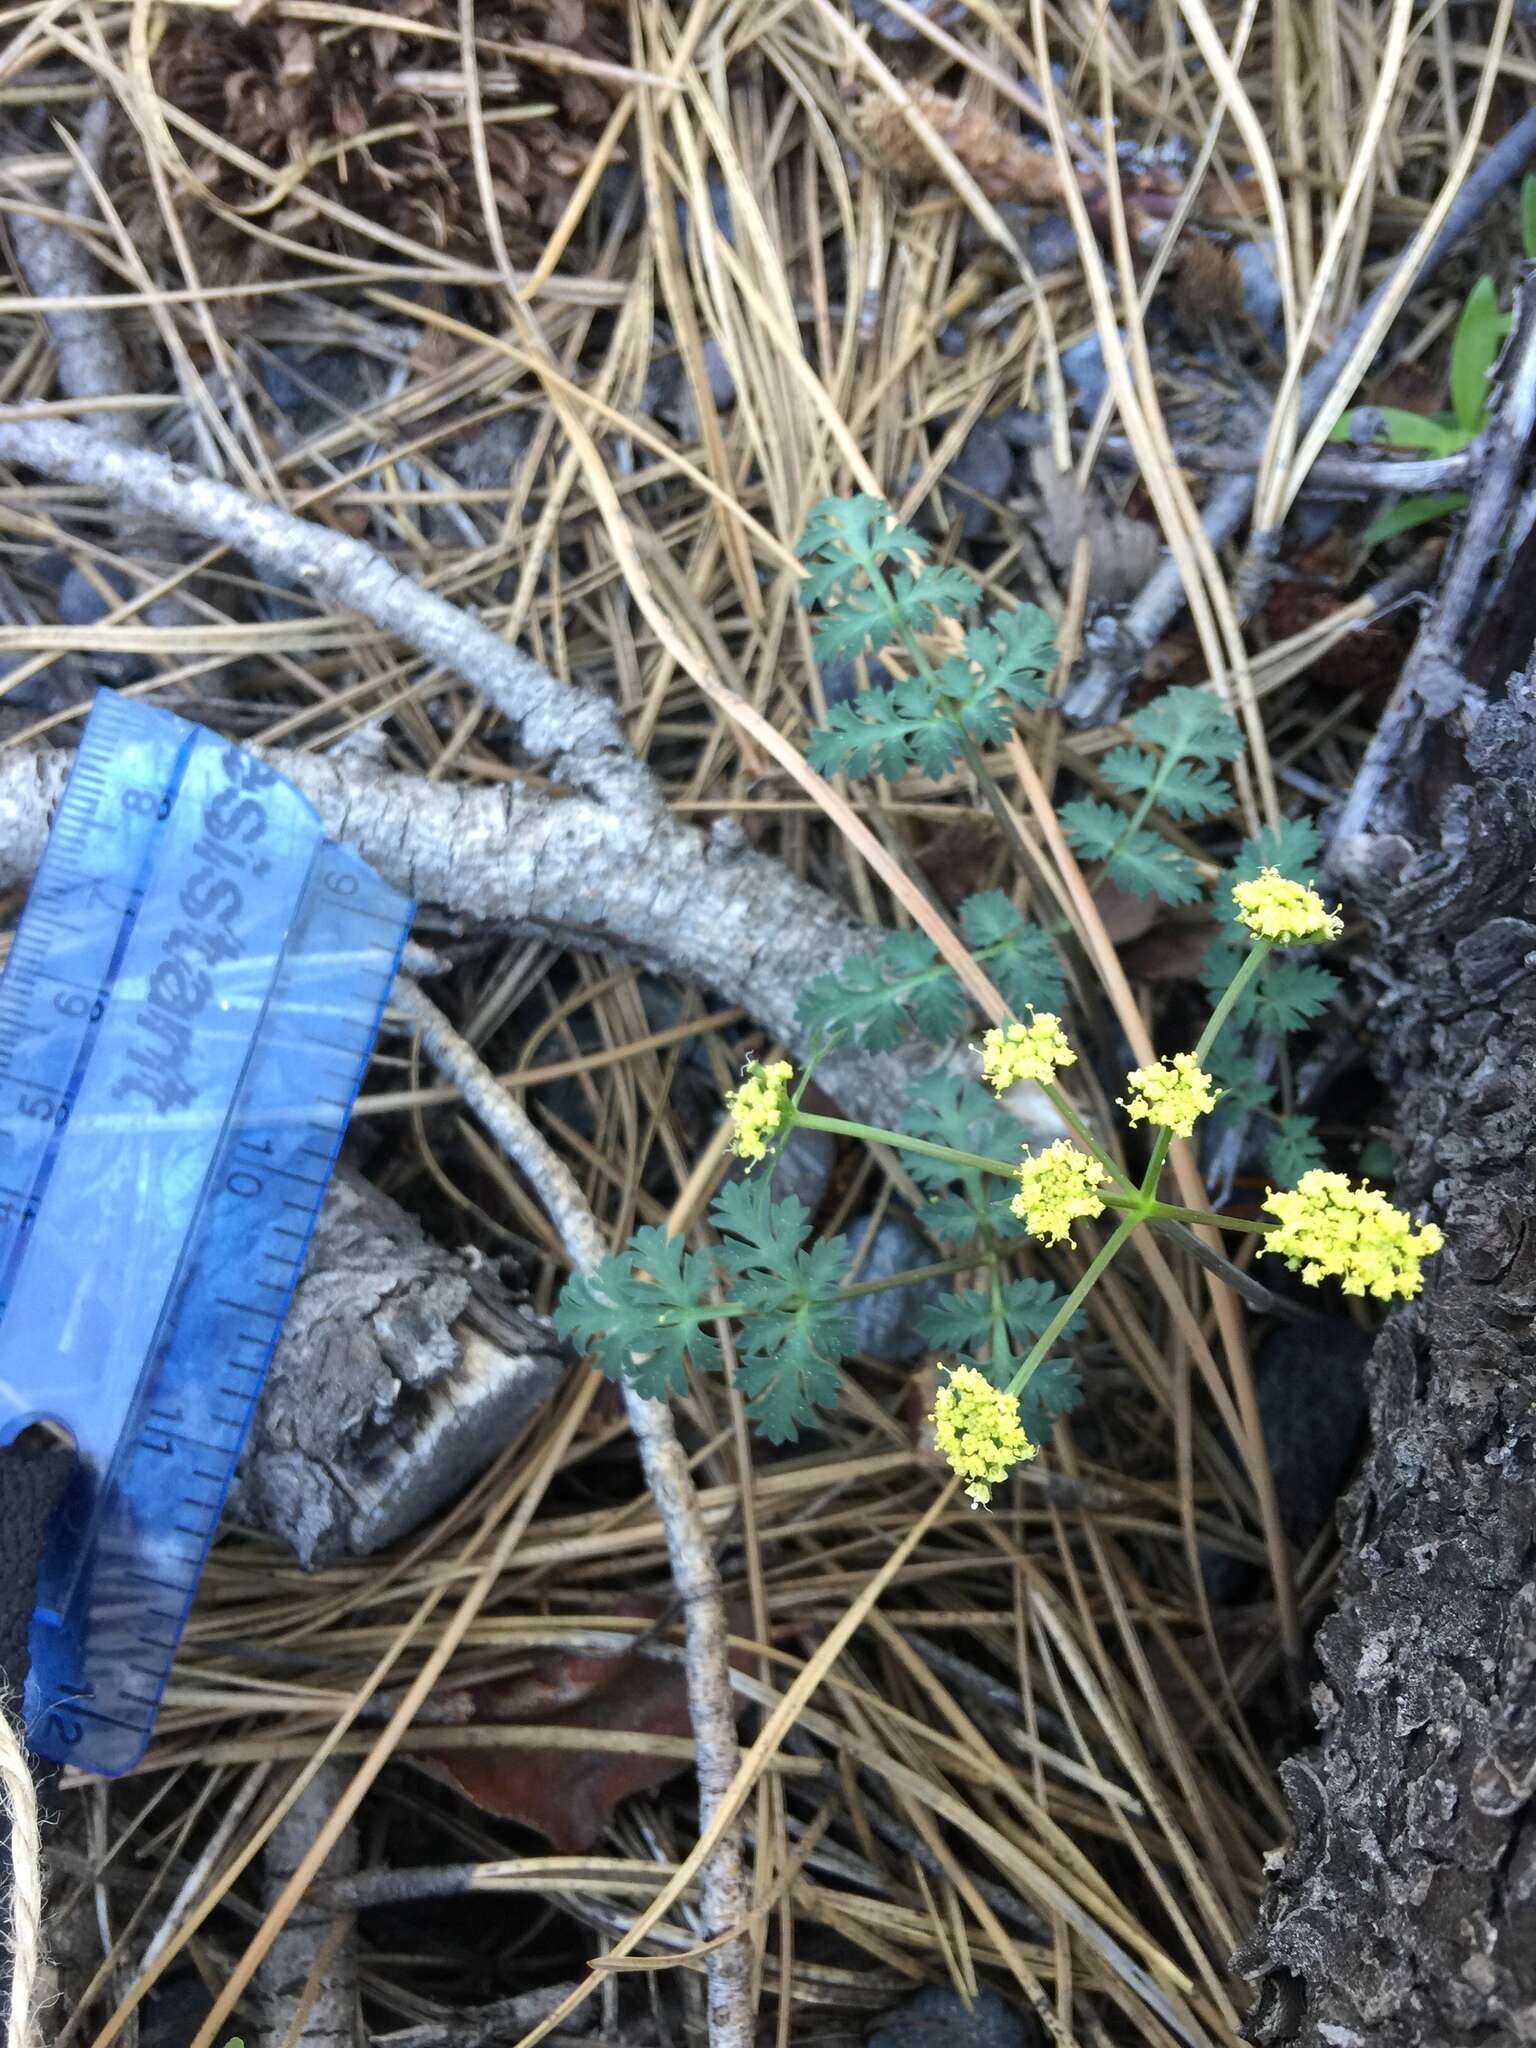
913,1276
872,1134
1170,1212
1081,1132
1257,955
1133,825
1074,1301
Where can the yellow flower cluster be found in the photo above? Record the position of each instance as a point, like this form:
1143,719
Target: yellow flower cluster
1285,912
1025,1052
977,1428
1172,1092
1056,1186
1329,1229
759,1108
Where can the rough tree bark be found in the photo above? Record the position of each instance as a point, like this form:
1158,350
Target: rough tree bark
1406,1911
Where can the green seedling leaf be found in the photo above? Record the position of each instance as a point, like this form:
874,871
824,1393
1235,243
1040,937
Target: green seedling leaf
1479,333
1422,508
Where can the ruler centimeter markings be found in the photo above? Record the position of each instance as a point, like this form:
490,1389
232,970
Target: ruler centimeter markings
186,1012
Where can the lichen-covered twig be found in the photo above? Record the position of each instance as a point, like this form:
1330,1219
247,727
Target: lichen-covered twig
307,1987
694,1572
88,353
575,731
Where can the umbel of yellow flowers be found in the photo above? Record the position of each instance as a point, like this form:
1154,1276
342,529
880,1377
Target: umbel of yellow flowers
1057,1186
977,1427
1286,913
760,1108
1328,1229
1173,1093
1025,1052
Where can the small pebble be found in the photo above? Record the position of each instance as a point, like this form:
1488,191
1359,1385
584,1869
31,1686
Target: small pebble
984,464
1051,244
1083,366
82,604
938,2018
839,679
885,1325
886,22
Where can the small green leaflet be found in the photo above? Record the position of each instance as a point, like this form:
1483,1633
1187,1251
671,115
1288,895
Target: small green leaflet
1479,333
961,1325
878,1000
1139,861
640,1314
964,1203
1292,846
849,538
1290,993
1419,509
1294,1149
1185,790
1188,725
1019,956
794,1330
1054,1389
922,722
1182,739
1243,1090
904,987
876,588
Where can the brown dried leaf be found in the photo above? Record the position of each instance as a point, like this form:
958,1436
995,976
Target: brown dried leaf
1123,551
569,1795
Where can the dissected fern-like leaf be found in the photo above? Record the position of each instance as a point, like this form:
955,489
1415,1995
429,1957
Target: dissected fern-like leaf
794,1330
640,1314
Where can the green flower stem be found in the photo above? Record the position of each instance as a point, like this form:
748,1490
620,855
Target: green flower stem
839,1127
1155,1164
1081,1132
1257,954
1005,1169
1174,1214
1098,1266
913,1276
1133,824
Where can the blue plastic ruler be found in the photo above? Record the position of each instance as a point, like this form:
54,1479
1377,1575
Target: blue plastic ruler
188,1005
